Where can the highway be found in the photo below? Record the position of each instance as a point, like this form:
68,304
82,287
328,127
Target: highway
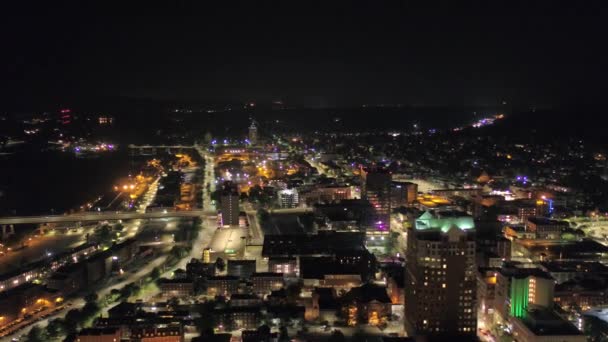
134,230
113,216
102,216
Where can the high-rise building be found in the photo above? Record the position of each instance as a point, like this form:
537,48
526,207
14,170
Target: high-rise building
253,133
403,193
377,190
440,279
229,204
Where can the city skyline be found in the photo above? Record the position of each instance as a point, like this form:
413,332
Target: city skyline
295,172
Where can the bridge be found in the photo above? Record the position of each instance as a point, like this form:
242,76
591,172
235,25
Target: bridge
114,216
161,146
102,216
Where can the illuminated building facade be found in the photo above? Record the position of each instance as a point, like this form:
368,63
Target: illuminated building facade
207,255
403,193
518,288
519,295
377,190
253,133
288,198
110,334
287,265
440,277
327,194
229,202
545,228
526,211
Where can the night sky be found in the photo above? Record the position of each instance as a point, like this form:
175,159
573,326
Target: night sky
306,53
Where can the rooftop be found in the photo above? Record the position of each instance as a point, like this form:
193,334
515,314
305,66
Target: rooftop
98,331
548,323
545,221
444,220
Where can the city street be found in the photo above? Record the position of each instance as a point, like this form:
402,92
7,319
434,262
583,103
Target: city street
228,243
152,230
43,246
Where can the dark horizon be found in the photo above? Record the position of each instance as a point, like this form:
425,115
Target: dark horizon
330,56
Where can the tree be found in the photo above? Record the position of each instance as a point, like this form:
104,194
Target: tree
337,336
36,334
177,252
283,334
359,336
263,215
216,195
72,318
89,311
293,291
264,332
173,302
91,297
220,264
207,320
129,290
56,328
155,274
104,235
208,137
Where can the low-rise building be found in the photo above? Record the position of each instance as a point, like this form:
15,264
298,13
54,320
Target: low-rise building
543,325
583,293
242,269
68,279
234,318
111,334
266,282
157,334
545,228
563,271
222,285
243,299
368,303
287,266
170,288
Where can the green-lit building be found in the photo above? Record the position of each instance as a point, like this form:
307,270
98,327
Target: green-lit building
518,288
440,281
444,220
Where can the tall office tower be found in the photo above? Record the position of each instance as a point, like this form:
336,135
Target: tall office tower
253,133
403,193
440,277
377,190
229,204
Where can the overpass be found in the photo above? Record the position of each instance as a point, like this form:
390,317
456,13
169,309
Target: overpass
102,216
161,146
113,216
